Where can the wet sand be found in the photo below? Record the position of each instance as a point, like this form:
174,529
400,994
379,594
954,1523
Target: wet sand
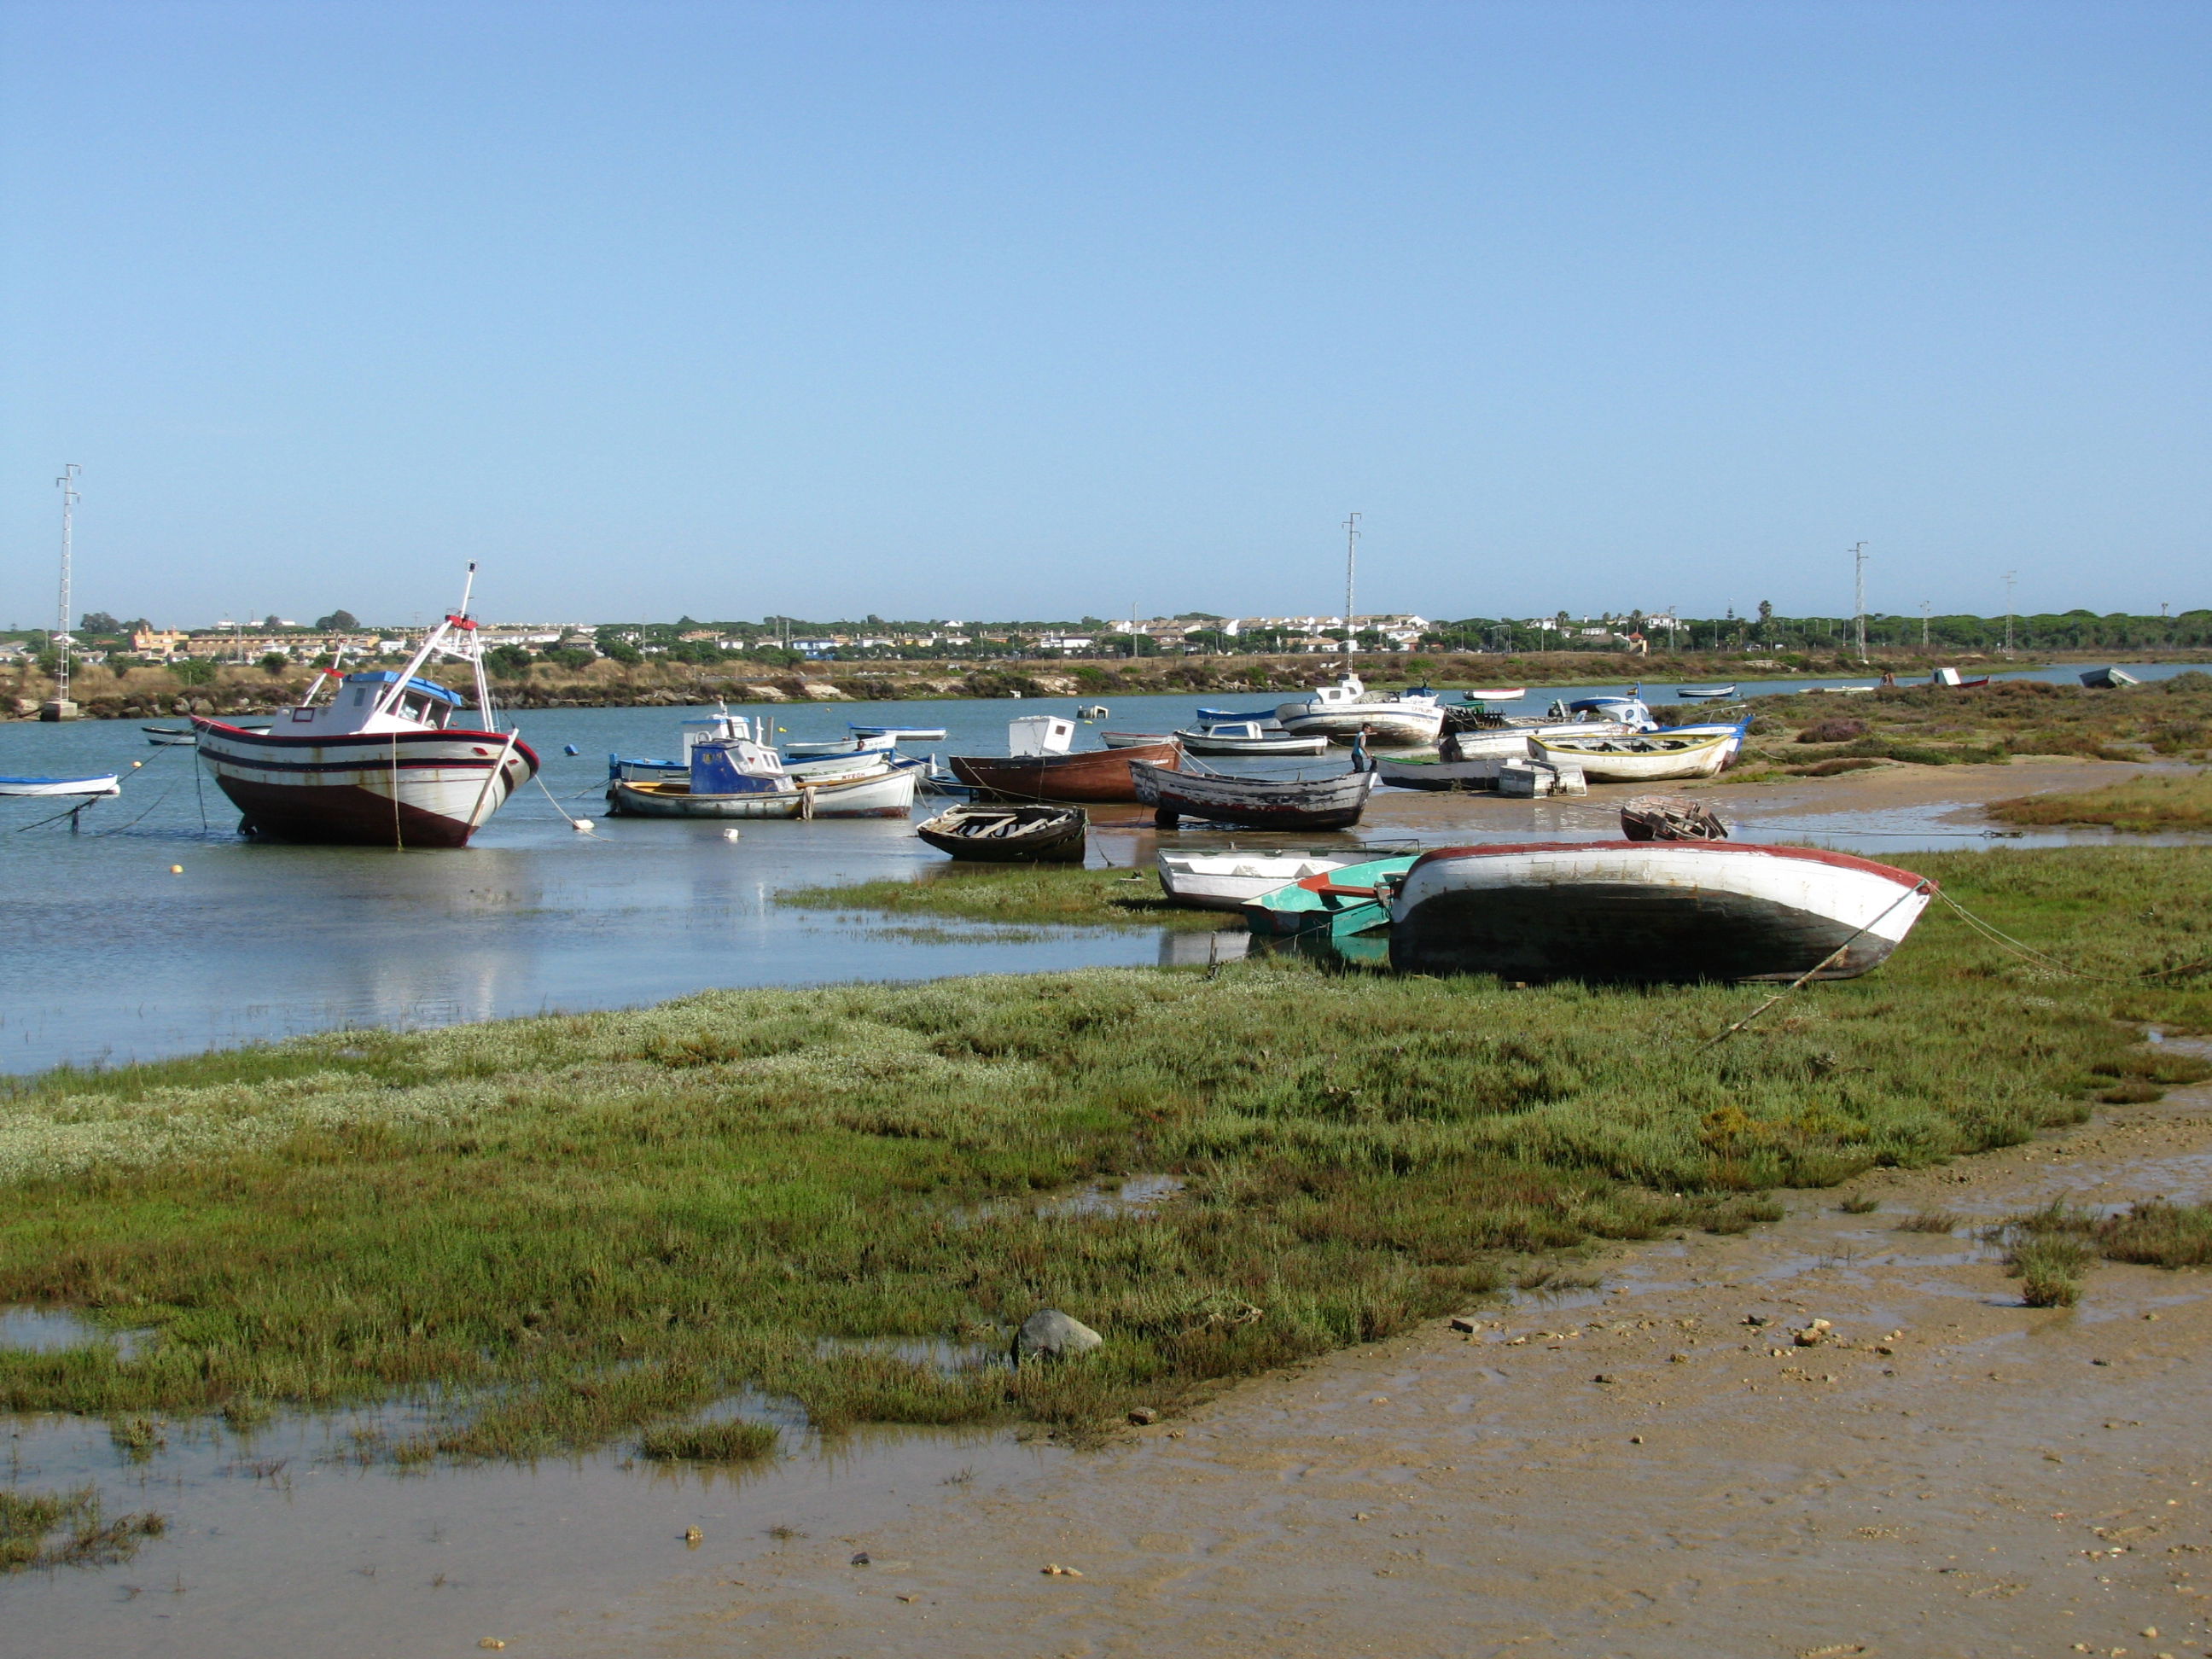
1633,1471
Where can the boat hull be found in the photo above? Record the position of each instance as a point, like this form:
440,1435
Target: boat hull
879,795
1616,763
1201,743
1650,911
1094,776
1263,803
428,789
1383,722
1051,835
105,783
1230,881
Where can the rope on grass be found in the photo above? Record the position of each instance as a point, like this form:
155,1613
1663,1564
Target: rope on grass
1997,936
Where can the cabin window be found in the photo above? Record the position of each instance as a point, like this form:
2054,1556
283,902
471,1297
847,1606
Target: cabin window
361,696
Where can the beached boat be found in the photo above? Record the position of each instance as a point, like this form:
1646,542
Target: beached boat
1248,738
2106,680
1670,818
858,743
1651,911
1645,759
1630,711
1348,709
1230,880
1038,767
902,734
1351,898
1704,693
380,762
97,783
1009,835
1950,677
1334,803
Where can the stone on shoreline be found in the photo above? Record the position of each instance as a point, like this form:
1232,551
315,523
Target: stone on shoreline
1048,1333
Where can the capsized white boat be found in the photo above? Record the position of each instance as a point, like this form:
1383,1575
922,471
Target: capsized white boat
380,763
1348,709
1226,881
1642,759
1650,910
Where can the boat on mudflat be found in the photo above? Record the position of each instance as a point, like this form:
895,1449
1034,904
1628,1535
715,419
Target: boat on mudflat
1009,835
1670,818
1662,910
1230,880
2106,680
1334,803
1646,759
1039,768
380,762
1352,898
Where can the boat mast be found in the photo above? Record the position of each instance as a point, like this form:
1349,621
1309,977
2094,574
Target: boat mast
63,637
1351,567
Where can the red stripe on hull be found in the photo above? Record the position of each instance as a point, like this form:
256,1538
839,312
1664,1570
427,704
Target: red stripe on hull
344,814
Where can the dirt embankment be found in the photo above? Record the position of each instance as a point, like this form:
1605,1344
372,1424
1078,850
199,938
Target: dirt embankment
146,693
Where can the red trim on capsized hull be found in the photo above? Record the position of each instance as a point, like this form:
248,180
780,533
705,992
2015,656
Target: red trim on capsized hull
1809,855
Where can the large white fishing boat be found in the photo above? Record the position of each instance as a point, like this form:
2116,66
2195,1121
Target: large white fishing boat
379,761
1348,709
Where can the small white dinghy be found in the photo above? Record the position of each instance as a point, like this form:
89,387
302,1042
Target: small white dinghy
1229,881
101,783
1659,910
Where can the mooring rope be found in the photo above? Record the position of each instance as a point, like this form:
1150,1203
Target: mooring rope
1923,885
1997,936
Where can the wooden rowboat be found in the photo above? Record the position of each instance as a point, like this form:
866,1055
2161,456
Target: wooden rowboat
1670,818
1096,776
1635,760
1650,911
1009,835
1334,803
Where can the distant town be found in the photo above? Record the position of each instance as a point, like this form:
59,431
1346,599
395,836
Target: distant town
277,642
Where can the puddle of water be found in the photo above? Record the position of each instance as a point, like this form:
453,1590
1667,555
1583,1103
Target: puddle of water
935,1352
55,1330
284,1541
1133,1196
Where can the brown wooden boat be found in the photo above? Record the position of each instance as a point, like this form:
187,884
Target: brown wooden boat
1098,775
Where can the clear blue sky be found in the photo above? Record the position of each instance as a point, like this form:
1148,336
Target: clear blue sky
1043,309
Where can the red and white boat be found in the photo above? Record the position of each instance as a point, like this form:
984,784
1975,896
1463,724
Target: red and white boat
1650,910
380,763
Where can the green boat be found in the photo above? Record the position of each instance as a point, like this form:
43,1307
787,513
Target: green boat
1349,899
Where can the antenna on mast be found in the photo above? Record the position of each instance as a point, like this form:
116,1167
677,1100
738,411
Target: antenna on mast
1351,568
62,707
468,587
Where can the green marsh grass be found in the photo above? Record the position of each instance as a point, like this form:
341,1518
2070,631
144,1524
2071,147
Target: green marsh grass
2144,804
730,1441
1020,894
47,1530
560,1232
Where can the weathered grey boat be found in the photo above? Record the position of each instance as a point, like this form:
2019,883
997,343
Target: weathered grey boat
1331,803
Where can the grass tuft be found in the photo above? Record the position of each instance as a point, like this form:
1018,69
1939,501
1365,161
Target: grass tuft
48,1529
1860,1204
709,1442
1930,1221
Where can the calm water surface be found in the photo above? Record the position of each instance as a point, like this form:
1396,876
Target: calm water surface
111,955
